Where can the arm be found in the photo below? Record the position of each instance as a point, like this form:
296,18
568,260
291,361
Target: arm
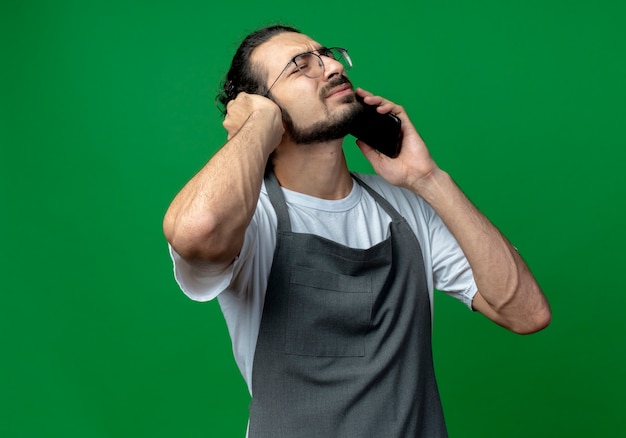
508,293
206,221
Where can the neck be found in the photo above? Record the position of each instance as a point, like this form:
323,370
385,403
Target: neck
318,170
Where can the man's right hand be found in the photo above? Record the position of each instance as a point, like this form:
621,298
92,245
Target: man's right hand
246,106
207,220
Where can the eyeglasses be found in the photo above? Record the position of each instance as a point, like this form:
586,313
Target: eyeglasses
310,64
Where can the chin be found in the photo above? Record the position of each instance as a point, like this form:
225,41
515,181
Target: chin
334,126
350,98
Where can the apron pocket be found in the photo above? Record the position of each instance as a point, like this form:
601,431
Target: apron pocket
328,313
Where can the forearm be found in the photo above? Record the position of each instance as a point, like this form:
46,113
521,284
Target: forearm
507,291
207,219
509,294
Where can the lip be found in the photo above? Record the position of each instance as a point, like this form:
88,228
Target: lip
339,90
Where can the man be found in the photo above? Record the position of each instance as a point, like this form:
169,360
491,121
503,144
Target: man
325,278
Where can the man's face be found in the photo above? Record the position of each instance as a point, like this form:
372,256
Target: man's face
314,109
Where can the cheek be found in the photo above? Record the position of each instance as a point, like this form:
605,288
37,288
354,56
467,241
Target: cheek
301,99
309,114
304,110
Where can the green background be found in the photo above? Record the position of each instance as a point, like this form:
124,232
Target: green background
106,110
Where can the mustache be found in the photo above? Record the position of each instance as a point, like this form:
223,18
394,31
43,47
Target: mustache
334,82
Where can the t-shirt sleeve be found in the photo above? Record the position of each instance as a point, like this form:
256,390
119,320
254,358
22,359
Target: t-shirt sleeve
206,282
451,271
200,284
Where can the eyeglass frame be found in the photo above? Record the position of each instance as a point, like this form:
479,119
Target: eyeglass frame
344,54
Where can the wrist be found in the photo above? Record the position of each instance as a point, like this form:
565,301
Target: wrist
430,185
268,125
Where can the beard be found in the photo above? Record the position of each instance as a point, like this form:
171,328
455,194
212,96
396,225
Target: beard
333,127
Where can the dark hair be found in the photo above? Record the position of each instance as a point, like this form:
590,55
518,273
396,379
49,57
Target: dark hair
242,76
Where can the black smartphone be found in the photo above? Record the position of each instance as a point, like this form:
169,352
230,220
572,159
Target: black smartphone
380,131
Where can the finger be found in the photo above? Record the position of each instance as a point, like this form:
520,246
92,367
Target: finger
362,92
372,155
389,107
383,105
372,99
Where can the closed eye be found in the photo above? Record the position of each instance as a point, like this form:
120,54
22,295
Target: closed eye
297,69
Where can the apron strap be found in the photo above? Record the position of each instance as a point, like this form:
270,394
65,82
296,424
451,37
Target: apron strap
392,212
278,202
280,205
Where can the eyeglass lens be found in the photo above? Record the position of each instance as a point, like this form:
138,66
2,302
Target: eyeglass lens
311,64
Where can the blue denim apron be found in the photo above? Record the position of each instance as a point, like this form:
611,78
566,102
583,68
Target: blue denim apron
344,347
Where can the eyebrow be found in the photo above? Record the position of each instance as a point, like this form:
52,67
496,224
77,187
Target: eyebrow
302,53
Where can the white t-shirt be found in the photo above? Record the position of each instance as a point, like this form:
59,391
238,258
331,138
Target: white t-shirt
356,221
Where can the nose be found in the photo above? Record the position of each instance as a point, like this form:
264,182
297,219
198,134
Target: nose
332,68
